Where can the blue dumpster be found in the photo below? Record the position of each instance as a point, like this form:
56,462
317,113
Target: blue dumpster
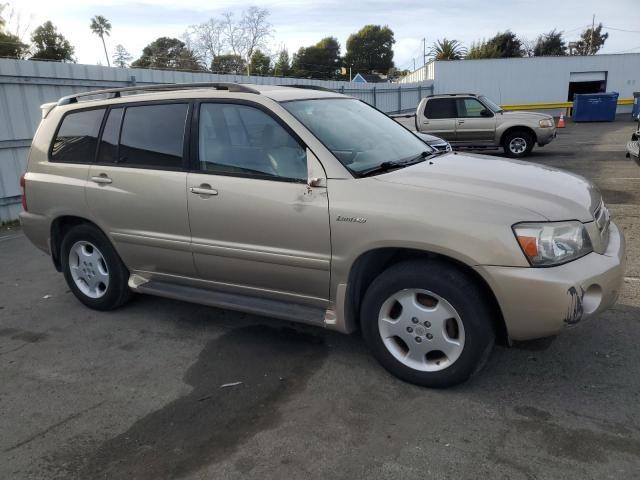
595,107
635,113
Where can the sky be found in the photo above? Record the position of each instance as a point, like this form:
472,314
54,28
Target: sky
302,23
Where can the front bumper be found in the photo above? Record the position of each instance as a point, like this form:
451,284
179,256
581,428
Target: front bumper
545,135
540,302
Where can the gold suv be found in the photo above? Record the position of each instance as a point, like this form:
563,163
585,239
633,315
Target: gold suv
314,207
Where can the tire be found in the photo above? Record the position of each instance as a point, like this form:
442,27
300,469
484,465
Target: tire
517,144
430,291
99,281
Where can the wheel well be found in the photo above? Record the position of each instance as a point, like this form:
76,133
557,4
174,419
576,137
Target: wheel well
59,228
518,128
372,263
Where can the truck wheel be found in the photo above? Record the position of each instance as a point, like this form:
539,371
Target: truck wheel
93,270
427,323
517,144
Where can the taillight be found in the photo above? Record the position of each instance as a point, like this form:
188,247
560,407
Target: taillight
24,193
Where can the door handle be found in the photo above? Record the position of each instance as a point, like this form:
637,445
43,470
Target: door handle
102,179
204,190
460,122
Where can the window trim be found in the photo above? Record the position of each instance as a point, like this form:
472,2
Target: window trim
194,164
59,126
185,142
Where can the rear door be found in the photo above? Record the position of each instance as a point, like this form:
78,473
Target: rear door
475,123
257,227
439,118
137,188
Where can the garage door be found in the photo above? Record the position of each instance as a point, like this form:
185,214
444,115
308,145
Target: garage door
587,76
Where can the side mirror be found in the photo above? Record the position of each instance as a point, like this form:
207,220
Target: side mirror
485,113
314,181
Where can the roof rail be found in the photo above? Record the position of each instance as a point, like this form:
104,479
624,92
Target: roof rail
311,87
451,95
116,92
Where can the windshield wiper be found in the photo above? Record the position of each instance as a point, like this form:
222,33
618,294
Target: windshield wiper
383,167
387,166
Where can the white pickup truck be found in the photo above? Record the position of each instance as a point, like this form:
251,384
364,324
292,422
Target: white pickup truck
475,122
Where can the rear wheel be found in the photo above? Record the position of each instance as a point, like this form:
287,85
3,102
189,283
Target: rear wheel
427,323
92,268
517,144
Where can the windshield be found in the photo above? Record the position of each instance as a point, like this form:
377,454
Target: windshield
488,103
360,136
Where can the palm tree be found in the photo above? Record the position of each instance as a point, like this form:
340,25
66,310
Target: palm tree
101,27
448,50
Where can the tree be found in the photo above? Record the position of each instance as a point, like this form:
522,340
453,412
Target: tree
207,39
168,53
51,45
447,50
591,40
11,46
370,49
101,27
229,63
121,57
282,67
260,63
482,49
550,43
507,44
321,60
255,28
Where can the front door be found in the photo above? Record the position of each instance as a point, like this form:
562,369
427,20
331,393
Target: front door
439,118
137,188
257,227
475,123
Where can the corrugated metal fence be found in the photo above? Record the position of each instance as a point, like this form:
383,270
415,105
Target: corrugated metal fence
25,85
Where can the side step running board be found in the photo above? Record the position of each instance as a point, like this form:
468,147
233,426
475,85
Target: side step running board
231,301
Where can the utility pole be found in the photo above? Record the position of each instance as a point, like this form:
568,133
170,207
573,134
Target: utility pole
414,64
424,52
593,24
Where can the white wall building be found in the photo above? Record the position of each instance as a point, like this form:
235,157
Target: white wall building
535,79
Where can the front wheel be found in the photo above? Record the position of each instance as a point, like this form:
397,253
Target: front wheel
427,323
517,144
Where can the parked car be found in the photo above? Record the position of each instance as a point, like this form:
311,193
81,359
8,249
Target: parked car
474,122
633,146
440,145
315,207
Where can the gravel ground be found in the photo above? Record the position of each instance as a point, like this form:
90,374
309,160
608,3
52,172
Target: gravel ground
136,393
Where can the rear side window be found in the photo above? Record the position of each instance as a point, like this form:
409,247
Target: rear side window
77,137
440,108
153,136
110,136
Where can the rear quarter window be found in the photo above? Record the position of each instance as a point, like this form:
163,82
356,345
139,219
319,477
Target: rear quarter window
440,108
77,137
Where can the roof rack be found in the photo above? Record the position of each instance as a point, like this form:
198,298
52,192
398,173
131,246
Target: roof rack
310,87
116,92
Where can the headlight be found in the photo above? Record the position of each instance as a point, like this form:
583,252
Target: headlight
546,123
553,243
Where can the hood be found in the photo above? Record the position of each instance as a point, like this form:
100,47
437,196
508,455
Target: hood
533,116
549,192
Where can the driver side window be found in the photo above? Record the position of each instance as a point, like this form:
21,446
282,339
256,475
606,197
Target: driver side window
241,140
